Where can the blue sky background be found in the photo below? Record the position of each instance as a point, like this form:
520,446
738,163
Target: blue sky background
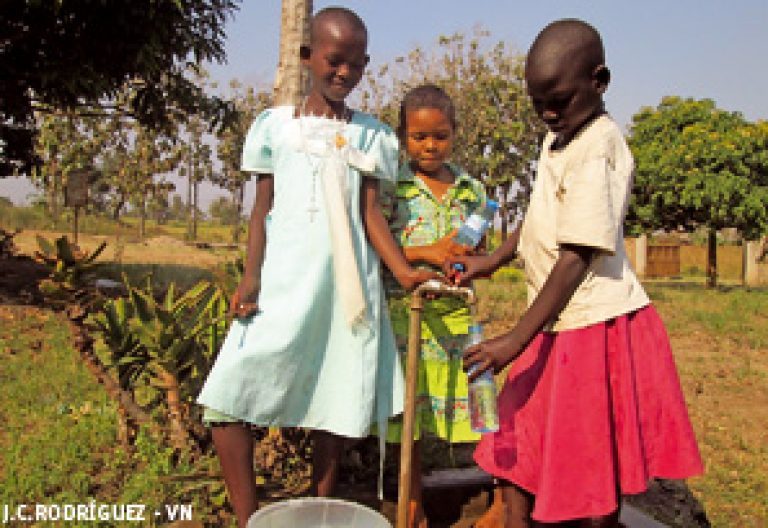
703,49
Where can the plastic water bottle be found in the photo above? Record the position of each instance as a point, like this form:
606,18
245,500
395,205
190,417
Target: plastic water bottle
474,227
483,413
472,230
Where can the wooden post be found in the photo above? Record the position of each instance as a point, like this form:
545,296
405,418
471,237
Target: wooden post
750,269
641,255
409,413
411,384
711,258
76,194
76,227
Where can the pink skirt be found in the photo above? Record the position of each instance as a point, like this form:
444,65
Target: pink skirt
590,411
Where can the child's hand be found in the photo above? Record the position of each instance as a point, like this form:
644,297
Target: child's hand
495,353
415,276
244,301
475,267
446,248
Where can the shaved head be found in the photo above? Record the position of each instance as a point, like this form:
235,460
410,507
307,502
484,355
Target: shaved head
567,42
332,20
566,77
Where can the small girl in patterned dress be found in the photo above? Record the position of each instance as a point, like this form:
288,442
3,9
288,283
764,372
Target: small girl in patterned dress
433,198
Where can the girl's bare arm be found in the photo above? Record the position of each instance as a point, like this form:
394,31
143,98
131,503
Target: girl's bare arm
383,242
484,265
565,277
244,301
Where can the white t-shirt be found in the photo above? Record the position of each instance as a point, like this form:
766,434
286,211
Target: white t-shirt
580,197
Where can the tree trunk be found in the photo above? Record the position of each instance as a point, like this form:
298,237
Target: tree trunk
127,429
504,212
143,219
190,179
238,196
291,80
53,191
711,258
117,209
195,209
180,438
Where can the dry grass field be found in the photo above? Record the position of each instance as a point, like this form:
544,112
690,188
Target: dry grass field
163,249
720,339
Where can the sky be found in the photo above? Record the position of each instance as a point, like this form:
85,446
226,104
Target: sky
691,48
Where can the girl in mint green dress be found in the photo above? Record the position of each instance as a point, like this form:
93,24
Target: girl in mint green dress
297,362
312,344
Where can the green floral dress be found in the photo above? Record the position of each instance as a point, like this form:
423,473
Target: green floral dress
418,218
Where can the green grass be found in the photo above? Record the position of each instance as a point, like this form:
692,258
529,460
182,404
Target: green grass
55,419
58,443
726,310
720,340
58,439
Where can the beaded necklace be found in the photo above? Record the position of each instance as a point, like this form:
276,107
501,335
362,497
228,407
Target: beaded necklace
339,141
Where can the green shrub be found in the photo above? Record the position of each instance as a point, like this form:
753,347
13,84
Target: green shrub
510,274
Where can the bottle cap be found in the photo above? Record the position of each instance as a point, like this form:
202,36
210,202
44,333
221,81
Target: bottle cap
475,328
492,204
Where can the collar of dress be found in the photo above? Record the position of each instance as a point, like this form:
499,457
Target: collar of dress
408,186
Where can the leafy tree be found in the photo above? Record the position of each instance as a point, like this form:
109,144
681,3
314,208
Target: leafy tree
699,166
498,133
229,148
197,166
223,210
177,209
66,141
135,158
79,55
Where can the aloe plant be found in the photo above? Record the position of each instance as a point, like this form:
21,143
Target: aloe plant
69,266
167,343
127,357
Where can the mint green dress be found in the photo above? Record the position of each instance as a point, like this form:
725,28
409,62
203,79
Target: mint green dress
297,362
418,218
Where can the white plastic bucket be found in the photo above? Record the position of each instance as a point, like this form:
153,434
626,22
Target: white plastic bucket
317,512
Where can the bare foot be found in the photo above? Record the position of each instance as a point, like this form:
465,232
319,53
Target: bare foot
494,516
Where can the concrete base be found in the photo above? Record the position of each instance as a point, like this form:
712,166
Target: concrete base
631,517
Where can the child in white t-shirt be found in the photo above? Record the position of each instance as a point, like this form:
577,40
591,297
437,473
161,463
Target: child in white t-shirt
592,407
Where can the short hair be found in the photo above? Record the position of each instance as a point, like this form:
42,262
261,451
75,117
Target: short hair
426,96
336,14
568,40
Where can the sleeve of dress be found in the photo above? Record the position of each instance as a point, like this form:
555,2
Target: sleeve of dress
257,149
387,199
398,217
585,214
385,148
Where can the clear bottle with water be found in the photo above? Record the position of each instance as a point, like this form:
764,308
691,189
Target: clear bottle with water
483,412
474,227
